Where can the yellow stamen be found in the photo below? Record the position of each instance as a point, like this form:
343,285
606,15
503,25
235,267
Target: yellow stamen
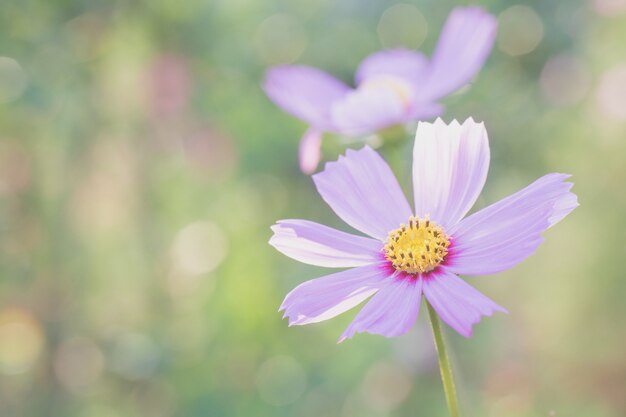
417,248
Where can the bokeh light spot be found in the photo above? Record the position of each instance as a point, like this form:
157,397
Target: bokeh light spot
21,341
156,398
211,154
281,380
105,198
386,386
78,364
402,25
609,7
564,80
169,85
135,356
15,167
280,39
199,248
520,30
414,355
12,79
611,93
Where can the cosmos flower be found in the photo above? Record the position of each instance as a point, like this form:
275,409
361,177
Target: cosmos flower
392,86
407,253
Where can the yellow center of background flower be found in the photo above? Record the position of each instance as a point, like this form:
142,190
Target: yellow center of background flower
417,247
399,87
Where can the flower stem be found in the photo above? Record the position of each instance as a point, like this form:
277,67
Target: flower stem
444,364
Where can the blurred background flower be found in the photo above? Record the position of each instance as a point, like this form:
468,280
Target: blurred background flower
392,86
141,166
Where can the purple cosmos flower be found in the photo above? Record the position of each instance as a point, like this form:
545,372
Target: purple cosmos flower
409,253
392,86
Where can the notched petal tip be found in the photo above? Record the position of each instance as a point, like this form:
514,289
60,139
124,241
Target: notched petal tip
505,233
467,334
450,164
565,204
296,319
471,122
495,308
440,123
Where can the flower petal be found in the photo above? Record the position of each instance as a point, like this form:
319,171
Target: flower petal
450,164
362,190
388,93
320,245
310,150
464,45
403,63
326,297
373,107
391,312
500,236
305,92
457,303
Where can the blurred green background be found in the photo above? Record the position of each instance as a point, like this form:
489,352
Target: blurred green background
141,167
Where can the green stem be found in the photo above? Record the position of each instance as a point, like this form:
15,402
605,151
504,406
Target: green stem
444,364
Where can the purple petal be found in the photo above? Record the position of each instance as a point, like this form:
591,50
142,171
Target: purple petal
391,312
310,150
402,63
464,45
305,92
362,190
373,106
456,302
387,94
320,245
450,164
500,236
324,298
562,207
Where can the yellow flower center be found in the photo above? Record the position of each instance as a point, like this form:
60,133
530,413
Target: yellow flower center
399,87
417,247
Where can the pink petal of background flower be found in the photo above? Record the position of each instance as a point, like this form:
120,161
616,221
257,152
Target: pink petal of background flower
393,86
